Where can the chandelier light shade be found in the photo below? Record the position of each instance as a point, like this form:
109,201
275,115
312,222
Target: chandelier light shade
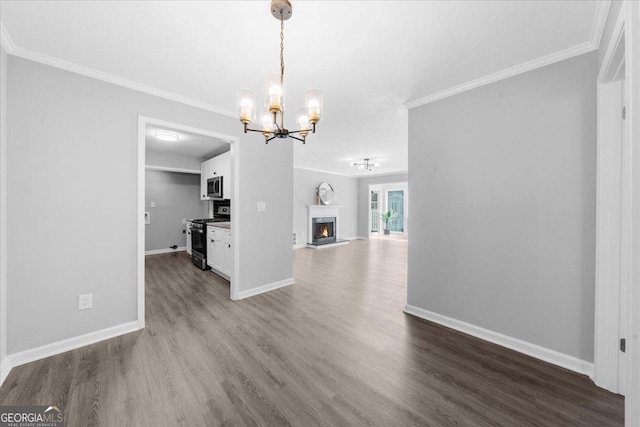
366,165
246,105
272,116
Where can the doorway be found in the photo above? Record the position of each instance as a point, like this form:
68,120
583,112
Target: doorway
613,220
383,198
144,215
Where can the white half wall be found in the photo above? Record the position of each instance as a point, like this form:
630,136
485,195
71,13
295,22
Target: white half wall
305,183
502,194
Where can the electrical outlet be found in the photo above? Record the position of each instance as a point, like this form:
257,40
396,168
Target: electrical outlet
261,206
153,204
85,301
184,220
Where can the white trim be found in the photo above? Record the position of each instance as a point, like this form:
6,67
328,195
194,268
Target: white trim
500,75
611,48
304,245
375,175
3,232
266,288
608,235
235,185
533,350
142,220
5,368
5,39
47,350
632,98
170,169
165,251
372,175
599,21
323,171
14,50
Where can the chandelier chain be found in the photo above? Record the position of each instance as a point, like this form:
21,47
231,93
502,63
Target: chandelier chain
281,50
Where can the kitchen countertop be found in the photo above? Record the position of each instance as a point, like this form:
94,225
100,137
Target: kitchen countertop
226,225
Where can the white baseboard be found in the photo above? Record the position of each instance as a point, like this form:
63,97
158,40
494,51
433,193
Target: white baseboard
266,288
554,357
47,350
165,251
304,245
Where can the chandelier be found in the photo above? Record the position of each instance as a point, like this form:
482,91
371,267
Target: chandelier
366,165
272,117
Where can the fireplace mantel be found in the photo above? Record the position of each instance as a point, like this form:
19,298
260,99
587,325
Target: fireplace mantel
316,211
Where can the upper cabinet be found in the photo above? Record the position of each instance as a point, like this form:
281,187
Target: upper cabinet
219,166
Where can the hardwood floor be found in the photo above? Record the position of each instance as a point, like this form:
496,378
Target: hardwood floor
335,349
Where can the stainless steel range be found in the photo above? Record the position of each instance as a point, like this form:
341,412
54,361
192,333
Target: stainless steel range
199,236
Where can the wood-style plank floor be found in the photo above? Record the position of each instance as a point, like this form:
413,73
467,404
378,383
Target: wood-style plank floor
335,349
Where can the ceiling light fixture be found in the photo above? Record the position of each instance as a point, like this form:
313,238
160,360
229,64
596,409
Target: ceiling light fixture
366,165
166,136
307,117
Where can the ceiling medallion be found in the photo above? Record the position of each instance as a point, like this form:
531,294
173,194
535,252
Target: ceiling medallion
307,117
366,165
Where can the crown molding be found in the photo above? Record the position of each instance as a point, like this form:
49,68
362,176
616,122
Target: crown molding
14,50
597,28
501,75
599,22
323,171
5,39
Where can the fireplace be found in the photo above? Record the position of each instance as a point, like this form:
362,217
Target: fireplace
323,230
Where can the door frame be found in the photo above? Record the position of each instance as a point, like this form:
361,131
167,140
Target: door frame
374,188
404,187
235,216
613,208
617,182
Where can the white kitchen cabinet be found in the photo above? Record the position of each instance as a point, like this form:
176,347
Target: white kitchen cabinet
225,169
219,254
216,166
205,173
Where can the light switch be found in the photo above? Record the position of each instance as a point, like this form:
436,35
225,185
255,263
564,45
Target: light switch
153,204
262,206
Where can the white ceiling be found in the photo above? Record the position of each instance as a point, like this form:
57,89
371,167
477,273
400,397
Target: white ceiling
370,58
189,144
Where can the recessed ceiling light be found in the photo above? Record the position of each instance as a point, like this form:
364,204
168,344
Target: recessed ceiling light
166,136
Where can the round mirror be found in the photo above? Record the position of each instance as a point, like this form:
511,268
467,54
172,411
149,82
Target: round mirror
326,194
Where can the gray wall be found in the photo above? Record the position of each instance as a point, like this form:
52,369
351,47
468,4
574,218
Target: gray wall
172,160
305,183
363,197
503,206
3,206
72,145
177,196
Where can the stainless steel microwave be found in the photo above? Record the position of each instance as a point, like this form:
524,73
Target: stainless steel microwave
214,187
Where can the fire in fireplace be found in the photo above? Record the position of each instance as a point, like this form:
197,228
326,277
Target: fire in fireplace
324,230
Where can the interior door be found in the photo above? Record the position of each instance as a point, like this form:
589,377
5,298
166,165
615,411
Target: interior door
374,211
396,203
